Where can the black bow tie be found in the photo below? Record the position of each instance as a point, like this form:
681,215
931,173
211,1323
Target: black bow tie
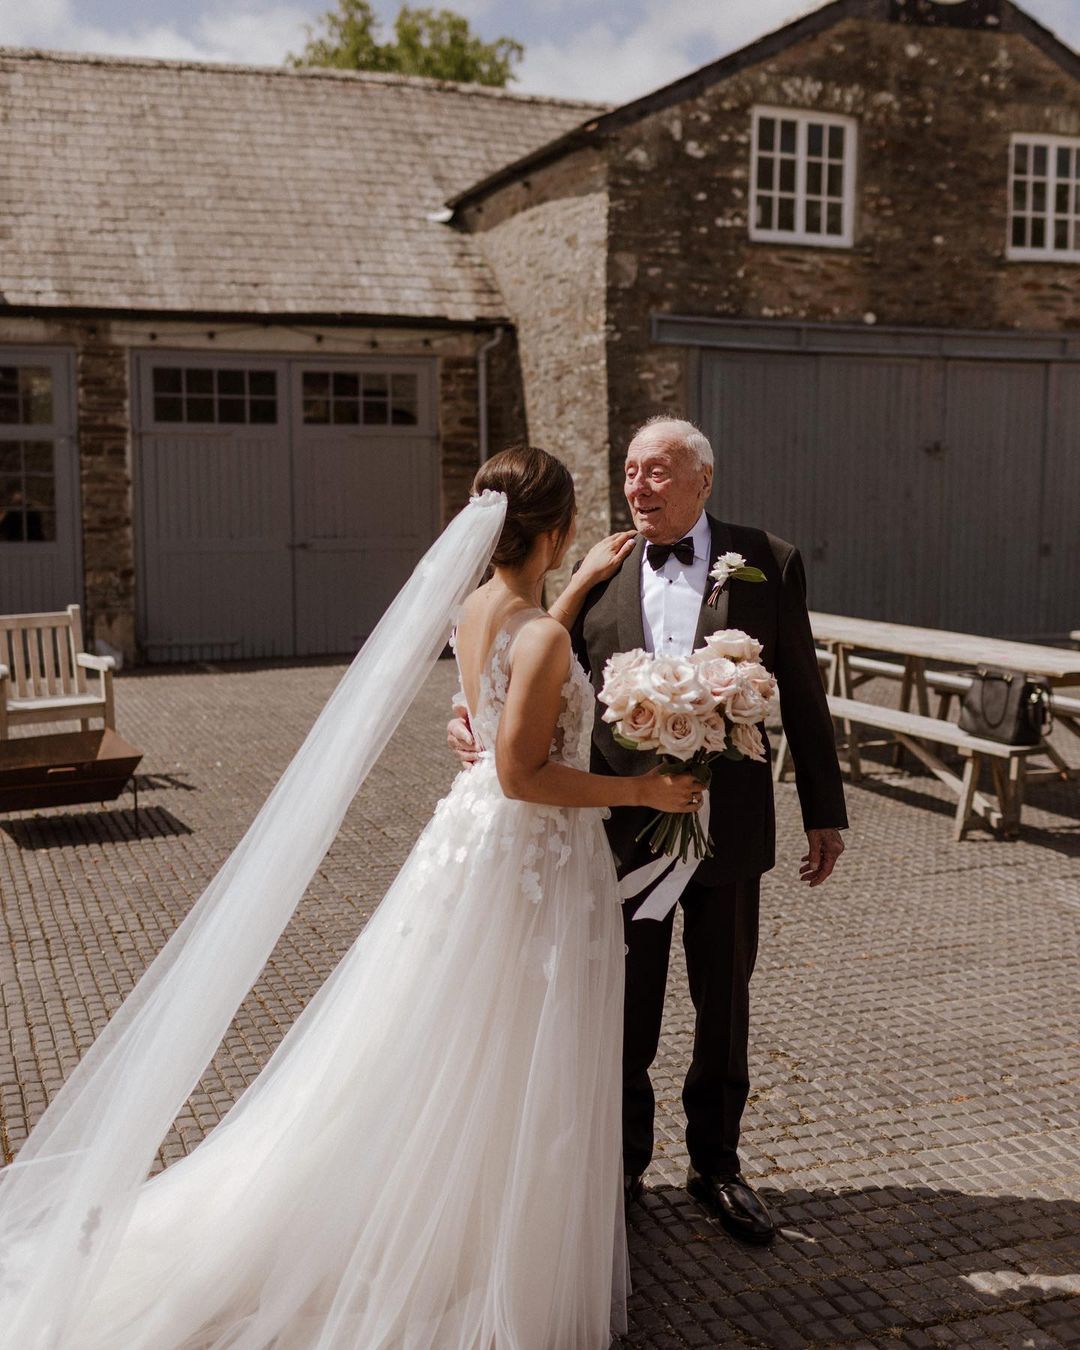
658,554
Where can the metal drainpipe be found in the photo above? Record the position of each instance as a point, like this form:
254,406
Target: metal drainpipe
481,387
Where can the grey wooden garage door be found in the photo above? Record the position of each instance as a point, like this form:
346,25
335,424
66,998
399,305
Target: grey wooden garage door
39,482
282,502
933,488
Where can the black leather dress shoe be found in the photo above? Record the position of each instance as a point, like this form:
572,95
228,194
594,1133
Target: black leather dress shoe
735,1203
633,1187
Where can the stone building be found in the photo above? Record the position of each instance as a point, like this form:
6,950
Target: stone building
851,252
241,352
280,315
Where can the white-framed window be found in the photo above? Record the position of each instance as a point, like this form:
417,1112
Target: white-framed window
1044,197
803,177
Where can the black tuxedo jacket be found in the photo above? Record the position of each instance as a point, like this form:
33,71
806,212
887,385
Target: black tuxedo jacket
743,822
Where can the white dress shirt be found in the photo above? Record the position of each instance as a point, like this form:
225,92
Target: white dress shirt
671,597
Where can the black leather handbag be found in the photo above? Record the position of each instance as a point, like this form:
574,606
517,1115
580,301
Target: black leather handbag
1007,705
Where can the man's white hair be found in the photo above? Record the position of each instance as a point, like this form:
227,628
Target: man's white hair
675,431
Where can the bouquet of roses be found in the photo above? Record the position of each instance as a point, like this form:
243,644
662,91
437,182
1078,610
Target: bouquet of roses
691,709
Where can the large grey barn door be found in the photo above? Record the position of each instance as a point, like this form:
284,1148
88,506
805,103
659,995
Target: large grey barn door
921,489
214,519
365,474
39,483
283,502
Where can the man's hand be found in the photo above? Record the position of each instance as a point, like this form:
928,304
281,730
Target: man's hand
823,849
459,736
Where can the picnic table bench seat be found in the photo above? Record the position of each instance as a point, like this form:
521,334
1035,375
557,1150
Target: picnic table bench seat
912,730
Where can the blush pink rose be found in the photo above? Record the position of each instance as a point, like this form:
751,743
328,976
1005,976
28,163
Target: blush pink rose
734,644
718,675
641,724
673,682
715,732
748,739
680,734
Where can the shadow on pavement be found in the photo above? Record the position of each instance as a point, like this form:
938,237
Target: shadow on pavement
874,1266
112,826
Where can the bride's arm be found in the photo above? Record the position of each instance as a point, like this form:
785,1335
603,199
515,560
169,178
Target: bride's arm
541,658
601,562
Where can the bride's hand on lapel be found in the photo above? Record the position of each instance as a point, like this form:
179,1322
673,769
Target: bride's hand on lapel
603,560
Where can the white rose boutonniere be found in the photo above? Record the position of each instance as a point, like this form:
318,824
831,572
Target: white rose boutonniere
730,565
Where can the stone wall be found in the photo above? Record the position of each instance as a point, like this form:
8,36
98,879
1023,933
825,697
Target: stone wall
935,108
545,240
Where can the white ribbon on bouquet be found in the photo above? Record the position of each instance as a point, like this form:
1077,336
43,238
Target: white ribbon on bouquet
666,896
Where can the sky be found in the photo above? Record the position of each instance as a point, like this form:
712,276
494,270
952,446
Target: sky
607,50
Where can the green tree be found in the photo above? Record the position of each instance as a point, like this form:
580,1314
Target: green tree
434,42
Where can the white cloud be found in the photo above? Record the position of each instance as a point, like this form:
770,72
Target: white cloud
260,36
668,41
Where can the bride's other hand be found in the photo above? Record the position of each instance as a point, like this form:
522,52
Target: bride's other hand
604,559
677,792
460,738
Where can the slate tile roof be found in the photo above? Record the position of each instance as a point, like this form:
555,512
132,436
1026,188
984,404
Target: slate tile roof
168,186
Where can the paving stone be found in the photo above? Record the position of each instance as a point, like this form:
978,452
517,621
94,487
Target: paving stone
915,1115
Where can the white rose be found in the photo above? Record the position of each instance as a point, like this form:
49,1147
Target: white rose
618,695
715,732
640,725
760,680
734,644
725,565
746,705
748,739
680,735
718,675
673,682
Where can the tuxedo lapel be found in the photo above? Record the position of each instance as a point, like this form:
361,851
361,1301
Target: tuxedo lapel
711,620
628,600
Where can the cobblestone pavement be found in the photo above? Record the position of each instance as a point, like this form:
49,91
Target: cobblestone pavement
915,1121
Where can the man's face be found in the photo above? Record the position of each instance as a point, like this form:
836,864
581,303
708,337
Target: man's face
666,488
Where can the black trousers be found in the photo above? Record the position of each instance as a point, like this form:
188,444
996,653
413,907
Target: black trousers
720,936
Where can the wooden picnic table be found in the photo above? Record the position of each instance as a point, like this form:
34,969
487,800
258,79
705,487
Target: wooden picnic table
842,635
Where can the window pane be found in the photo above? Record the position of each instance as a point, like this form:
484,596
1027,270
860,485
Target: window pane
346,385
38,456
231,410
43,527
376,385
1019,195
813,179
40,492
815,139
168,409
1061,233
765,213
200,409
1038,197
316,411
315,382
167,380
9,380
265,410
836,180
35,383
836,142
9,409
1039,161
10,457
835,220
1063,157
813,217
1020,157
786,215
766,133
787,137
231,382
1038,232
787,175
263,382
1019,232
403,406
765,167
346,411
199,381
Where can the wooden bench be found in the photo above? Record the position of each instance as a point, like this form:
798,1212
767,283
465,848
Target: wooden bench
913,730
43,672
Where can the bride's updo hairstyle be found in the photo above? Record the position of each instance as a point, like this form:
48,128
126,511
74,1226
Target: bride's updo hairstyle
539,498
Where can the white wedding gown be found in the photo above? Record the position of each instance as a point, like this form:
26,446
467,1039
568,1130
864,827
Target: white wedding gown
431,1158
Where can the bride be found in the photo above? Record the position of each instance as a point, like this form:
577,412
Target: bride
430,1160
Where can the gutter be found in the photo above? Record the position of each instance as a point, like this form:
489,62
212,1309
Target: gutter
482,388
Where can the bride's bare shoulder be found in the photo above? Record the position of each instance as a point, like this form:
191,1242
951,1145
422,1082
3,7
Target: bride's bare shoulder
540,639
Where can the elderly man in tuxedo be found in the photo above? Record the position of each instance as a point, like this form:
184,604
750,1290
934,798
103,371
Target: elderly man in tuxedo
657,600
